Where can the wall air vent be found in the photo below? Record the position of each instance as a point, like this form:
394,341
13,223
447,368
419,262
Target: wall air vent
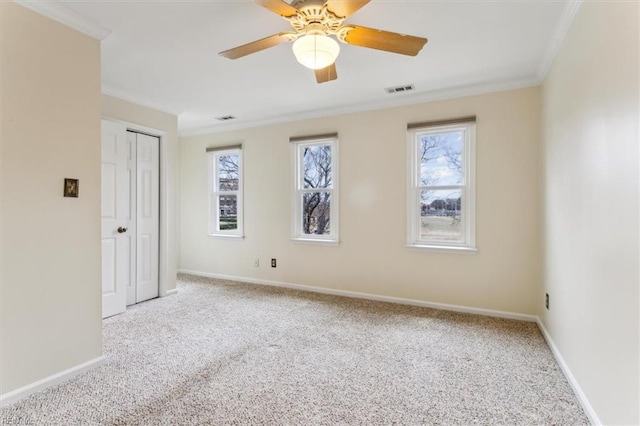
225,118
400,89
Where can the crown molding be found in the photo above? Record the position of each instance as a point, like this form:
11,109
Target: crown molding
401,100
562,29
67,17
109,91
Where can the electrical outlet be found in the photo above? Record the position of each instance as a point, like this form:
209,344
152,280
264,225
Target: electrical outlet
546,300
256,263
273,263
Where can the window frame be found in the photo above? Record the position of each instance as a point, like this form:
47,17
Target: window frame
467,188
215,193
298,190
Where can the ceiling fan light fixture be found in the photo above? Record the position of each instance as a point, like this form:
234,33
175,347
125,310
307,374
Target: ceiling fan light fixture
316,51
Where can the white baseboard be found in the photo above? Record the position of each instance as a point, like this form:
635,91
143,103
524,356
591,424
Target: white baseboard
582,398
171,292
369,296
15,395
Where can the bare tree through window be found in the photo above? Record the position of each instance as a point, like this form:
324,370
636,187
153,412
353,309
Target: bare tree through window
228,183
441,174
229,172
317,175
226,202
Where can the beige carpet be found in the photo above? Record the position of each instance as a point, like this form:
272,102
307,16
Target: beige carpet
229,353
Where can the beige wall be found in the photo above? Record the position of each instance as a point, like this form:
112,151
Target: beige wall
50,260
590,131
371,258
114,108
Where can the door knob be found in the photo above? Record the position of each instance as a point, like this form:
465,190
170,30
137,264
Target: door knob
121,230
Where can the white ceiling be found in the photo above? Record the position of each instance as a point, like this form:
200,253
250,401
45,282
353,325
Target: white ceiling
164,54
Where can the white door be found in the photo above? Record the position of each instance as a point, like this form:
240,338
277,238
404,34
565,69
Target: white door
133,177
147,216
130,217
116,242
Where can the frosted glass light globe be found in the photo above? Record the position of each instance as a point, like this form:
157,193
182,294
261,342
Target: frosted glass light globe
316,51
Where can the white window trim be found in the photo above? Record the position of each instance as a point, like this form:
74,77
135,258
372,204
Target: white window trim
297,235
214,192
468,212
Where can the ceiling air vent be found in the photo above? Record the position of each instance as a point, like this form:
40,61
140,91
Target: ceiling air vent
400,89
226,118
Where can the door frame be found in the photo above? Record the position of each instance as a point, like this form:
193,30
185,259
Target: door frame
163,240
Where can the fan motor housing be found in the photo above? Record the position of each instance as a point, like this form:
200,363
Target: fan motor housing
313,15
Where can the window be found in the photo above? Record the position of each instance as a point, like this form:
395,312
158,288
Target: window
316,188
225,183
441,198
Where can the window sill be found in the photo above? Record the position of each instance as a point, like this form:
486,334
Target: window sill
227,236
313,241
441,249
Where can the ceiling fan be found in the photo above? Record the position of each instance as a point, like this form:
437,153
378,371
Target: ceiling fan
314,21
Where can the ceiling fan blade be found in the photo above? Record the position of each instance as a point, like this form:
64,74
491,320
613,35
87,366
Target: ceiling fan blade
278,6
326,74
345,8
384,40
256,46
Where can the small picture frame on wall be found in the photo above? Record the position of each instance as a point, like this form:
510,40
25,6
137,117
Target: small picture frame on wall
71,187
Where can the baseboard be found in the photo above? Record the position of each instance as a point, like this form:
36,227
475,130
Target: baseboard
15,395
582,398
171,292
368,296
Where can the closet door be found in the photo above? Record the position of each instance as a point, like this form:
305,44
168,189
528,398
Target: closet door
147,216
132,185
117,241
